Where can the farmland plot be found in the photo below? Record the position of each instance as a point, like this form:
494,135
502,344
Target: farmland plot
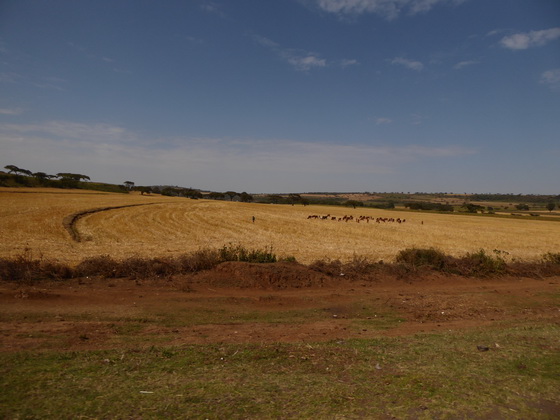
171,226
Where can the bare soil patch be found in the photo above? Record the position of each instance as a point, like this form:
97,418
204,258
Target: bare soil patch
266,303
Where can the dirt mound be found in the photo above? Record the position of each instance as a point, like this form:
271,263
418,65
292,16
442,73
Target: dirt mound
263,276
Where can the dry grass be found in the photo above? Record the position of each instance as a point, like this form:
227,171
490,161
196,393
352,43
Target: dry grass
32,219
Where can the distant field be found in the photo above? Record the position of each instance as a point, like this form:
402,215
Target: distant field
32,220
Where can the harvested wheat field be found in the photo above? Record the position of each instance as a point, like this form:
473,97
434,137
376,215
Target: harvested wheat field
284,340
124,225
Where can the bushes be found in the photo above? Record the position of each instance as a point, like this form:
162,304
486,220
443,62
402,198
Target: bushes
26,269
477,264
239,253
418,257
552,258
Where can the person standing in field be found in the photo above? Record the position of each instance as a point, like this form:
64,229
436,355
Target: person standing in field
253,219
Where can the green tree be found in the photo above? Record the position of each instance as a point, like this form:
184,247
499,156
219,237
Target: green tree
274,198
230,194
550,206
69,180
129,185
354,203
144,190
73,177
245,197
216,196
294,198
12,169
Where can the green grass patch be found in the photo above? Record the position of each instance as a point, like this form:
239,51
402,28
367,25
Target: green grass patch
424,376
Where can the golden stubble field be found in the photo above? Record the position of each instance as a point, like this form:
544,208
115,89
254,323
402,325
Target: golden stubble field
31,220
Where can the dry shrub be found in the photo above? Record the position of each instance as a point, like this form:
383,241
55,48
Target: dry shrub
102,265
329,267
551,258
233,252
414,258
26,269
203,259
479,264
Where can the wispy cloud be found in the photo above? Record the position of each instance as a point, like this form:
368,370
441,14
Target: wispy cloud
389,9
463,64
194,40
410,64
72,131
494,32
86,53
522,41
305,62
417,119
299,59
551,78
212,7
9,77
383,120
106,153
11,111
347,63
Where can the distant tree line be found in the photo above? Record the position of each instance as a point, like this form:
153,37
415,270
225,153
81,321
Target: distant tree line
424,205
25,177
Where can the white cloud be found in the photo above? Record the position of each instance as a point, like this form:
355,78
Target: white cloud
494,32
11,111
551,78
347,63
522,41
305,63
462,64
212,7
411,64
299,59
390,9
105,153
72,131
383,120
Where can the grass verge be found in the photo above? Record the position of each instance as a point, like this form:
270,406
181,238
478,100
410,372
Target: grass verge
424,376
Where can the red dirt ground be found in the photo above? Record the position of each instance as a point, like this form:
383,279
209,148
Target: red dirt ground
249,303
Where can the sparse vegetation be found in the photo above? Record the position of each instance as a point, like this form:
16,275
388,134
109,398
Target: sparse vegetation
26,269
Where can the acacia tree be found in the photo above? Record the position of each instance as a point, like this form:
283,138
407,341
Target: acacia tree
72,177
42,176
12,169
550,206
129,185
294,198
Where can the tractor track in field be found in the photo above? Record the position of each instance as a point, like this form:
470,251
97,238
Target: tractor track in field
69,222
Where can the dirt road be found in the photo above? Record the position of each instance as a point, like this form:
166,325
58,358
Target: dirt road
200,309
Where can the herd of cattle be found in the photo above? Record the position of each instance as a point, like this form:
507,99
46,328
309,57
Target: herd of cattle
358,219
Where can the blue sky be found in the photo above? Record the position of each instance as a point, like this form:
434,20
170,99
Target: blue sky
285,95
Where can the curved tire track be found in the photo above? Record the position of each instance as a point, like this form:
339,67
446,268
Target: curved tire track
70,221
